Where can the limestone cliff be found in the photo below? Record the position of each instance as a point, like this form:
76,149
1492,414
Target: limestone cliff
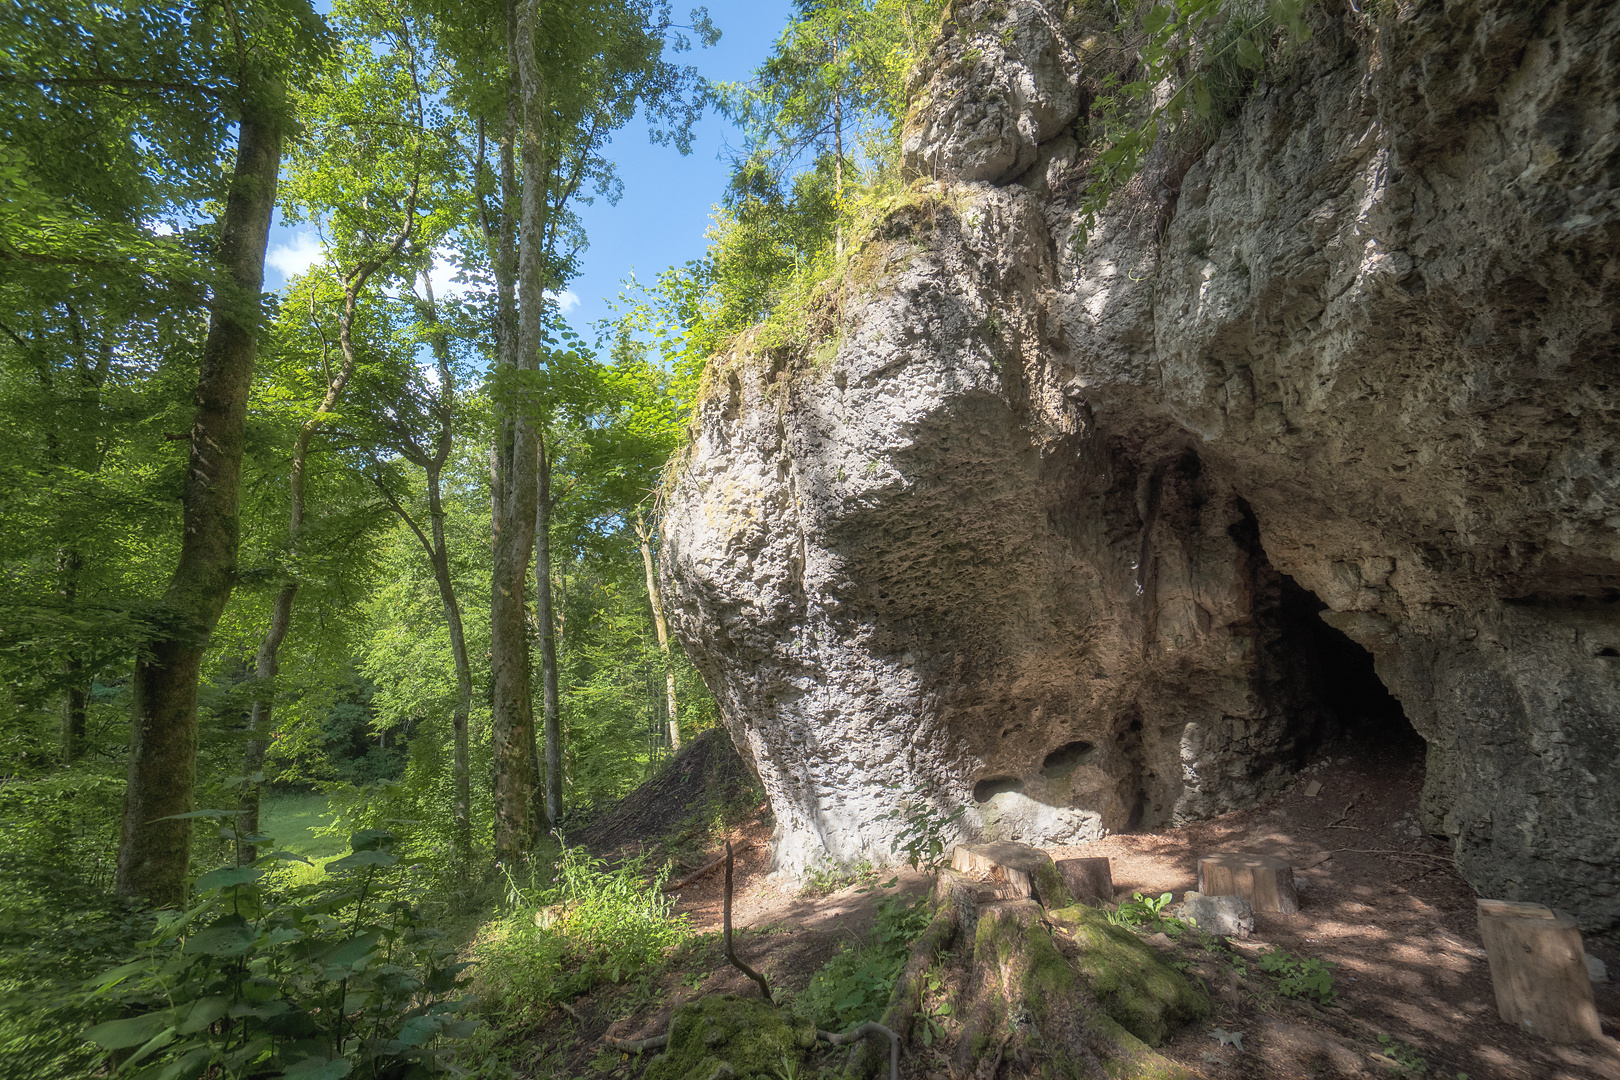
1043,527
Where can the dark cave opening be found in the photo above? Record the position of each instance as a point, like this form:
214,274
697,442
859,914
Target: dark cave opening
1360,709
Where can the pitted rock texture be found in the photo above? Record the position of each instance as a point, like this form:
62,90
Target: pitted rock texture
1043,528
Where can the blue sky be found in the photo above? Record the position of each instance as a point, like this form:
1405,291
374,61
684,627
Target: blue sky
667,197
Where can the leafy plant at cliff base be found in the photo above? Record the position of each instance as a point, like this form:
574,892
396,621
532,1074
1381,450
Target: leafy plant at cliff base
924,831
604,925
1193,61
1300,976
335,978
855,985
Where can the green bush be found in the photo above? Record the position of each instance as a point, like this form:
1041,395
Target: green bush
1299,976
854,986
605,925
321,982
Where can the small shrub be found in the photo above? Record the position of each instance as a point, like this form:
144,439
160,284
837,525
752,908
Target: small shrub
1146,911
925,831
610,925
1299,976
854,986
334,979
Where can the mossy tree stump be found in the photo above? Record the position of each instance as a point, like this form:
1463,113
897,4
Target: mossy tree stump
1086,1017
1018,871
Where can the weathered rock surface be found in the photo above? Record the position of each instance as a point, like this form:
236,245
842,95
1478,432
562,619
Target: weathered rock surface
1043,528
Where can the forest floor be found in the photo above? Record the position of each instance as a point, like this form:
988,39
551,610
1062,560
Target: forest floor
1379,899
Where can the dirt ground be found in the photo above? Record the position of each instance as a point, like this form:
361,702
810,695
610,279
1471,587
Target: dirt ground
1379,899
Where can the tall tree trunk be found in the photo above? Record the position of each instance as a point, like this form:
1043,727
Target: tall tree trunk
662,626
515,459
154,847
461,767
69,564
439,556
548,636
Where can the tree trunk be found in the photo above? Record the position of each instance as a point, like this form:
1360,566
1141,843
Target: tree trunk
548,637
69,564
154,848
438,552
515,459
661,626
267,664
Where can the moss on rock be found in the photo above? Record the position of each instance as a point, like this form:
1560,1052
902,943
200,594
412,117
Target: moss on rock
731,1036
1131,982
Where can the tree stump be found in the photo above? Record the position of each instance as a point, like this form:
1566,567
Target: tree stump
1266,883
1025,871
1538,970
1089,880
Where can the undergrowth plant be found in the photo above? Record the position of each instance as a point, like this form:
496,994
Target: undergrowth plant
609,925
924,830
854,986
1148,911
316,983
1301,977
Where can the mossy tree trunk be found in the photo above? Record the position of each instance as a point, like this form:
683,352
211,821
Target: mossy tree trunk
155,847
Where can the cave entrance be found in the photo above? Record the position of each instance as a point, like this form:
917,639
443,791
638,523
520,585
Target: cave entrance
1360,713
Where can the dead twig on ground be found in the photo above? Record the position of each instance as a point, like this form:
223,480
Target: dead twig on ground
704,869
731,955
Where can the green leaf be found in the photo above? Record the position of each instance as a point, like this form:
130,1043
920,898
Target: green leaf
351,951
1248,54
318,1069
1156,18
226,876
131,1031
229,939
203,1012
371,839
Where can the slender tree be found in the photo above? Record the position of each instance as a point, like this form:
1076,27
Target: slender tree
361,168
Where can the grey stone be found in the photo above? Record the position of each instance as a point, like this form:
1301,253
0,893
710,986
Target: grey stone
1042,526
1596,969
1222,916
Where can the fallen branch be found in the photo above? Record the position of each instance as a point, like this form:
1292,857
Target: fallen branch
871,1027
731,955
704,869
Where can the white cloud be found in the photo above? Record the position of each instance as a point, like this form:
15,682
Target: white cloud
566,300
297,257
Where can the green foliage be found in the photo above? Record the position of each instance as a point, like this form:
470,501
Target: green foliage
1146,911
327,980
924,830
605,926
1405,1057
1300,977
854,986
1196,60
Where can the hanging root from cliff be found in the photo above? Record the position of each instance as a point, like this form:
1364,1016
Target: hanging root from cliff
731,954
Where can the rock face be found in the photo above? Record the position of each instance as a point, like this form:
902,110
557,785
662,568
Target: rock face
1068,532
